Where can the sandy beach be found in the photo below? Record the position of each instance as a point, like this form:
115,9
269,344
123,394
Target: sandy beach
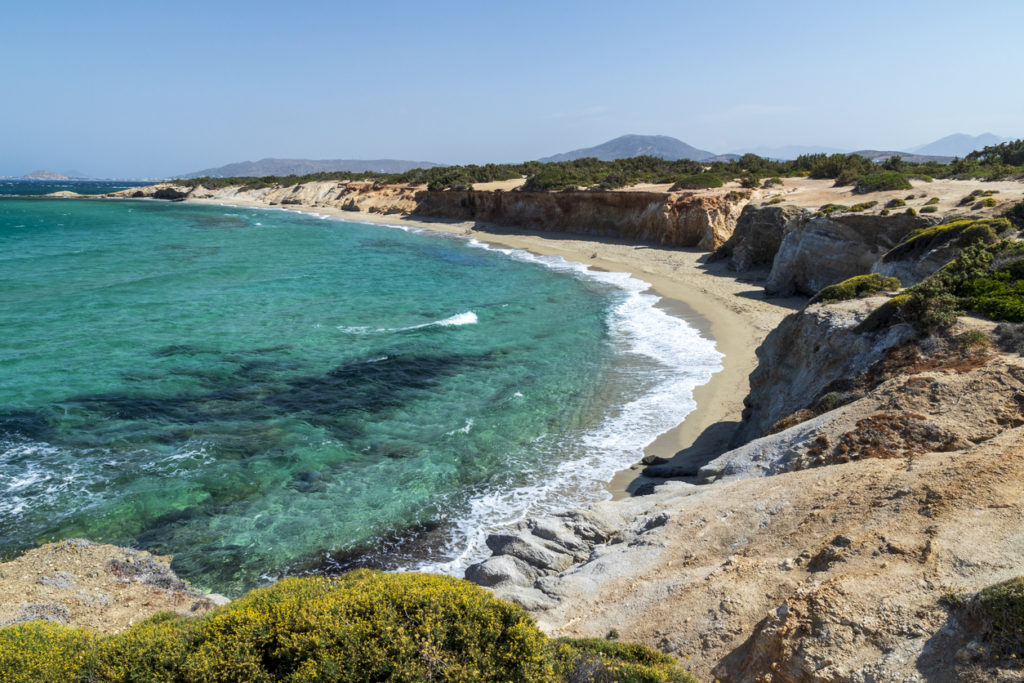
732,311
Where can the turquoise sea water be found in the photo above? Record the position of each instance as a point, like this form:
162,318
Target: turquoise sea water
262,392
41,187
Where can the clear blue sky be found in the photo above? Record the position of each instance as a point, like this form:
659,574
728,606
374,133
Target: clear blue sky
146,89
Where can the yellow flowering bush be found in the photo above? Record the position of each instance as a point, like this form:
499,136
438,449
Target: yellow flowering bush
364,626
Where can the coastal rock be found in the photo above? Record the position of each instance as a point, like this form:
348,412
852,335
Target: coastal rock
806,353
501,569
759,232
102,587
822,250
911,271
684,219
676,219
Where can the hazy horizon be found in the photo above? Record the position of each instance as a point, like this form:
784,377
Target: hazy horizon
137,91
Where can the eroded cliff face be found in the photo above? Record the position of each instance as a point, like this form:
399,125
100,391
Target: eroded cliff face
807,353
680,219
818,251
758,235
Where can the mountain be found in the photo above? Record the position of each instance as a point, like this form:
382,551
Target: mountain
634,146
44,175
284,167
959,144
880,156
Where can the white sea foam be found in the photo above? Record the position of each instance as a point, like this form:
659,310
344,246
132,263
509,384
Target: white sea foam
457,320
673,359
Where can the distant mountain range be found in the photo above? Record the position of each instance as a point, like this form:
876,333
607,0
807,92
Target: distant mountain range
634,146
959,145
942,151
284,167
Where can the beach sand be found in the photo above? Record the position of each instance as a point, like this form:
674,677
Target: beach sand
732,311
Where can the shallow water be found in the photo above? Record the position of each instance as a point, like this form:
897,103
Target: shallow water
261,392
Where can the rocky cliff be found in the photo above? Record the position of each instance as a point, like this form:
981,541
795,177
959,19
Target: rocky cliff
681,219
825,550
821,250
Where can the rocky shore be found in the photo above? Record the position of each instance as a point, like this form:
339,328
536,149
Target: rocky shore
861,485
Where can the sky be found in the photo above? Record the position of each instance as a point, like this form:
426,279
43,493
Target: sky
145,90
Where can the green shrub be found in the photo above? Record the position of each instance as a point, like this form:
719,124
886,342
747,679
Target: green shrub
830,209
1015,214
895,203
857,286
933,200
929,209
882,181
988,202
773,182
863,206
911,212
776,200
1000,611
884,212
698,181
602,660
364,626
964,230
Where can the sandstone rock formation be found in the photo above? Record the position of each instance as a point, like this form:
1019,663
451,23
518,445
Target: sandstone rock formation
758,235
682,219
822,250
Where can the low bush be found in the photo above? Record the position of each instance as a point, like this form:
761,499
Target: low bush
773,182
895,203
863,206
964,230
830,209
882,181
929,209
933,200
999,611
984,278
364,626
884,212
857,286
988,202
776,200
698,181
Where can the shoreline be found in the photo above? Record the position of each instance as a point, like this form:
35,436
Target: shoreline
732,312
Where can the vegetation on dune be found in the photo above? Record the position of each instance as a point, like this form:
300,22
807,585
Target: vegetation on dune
964,230
364,626
857,286
991,163
881,182
698,181
987,279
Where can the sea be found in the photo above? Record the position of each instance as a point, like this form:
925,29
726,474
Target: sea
262,393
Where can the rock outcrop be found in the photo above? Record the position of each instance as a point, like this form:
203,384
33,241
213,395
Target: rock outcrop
103,587
759,232
681,219
818,251
809,351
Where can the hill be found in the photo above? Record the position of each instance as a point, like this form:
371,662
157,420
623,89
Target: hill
627,146
882,155
959,144
44,175
285,167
